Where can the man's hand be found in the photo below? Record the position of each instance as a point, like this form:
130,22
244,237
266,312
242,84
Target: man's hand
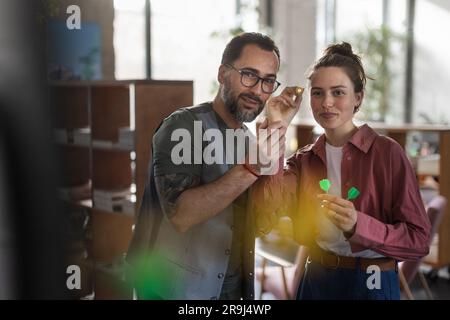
340,211
284,107
270,147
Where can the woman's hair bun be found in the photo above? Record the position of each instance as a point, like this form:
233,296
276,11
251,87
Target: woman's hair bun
341,55
344,49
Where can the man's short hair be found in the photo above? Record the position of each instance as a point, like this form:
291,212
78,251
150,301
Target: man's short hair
234,48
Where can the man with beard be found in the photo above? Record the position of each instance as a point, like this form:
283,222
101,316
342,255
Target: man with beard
194,237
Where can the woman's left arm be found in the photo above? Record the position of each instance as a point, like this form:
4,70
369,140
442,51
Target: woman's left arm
407,236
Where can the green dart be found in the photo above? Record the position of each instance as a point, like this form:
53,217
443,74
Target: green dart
353,193
325,185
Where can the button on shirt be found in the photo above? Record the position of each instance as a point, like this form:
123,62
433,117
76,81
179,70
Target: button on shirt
330,237
391,218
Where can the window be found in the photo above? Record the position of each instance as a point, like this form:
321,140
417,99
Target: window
183,44
431,64
129,39
374,27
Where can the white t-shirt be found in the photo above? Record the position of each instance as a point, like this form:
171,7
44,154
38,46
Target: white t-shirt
330,237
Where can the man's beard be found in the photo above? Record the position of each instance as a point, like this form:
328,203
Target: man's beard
240,114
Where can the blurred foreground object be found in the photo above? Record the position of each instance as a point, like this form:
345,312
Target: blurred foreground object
31,236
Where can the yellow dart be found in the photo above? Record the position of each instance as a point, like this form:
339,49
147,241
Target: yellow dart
299,90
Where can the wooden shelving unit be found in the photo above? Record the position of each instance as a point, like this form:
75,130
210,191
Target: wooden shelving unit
440,253
107,164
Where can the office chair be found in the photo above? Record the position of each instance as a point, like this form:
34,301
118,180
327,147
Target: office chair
282,278
408,270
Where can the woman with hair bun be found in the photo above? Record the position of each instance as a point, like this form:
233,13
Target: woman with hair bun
352,195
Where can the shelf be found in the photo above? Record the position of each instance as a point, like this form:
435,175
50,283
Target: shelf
110,145
122,201
429,165
154,103
78,136
65,144
118,119
111,235
76,162
111,287
125,209
70,107
110,111
111,169
87,203
87,275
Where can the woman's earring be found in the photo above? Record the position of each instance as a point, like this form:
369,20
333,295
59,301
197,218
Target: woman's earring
356,109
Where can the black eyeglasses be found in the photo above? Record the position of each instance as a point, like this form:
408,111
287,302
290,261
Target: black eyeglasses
250,79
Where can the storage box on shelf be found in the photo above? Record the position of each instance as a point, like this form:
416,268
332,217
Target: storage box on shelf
440,250
120,120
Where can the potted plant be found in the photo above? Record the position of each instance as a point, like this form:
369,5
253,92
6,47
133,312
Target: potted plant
376,45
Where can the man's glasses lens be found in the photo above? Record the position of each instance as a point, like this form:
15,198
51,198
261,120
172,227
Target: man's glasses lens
250,79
